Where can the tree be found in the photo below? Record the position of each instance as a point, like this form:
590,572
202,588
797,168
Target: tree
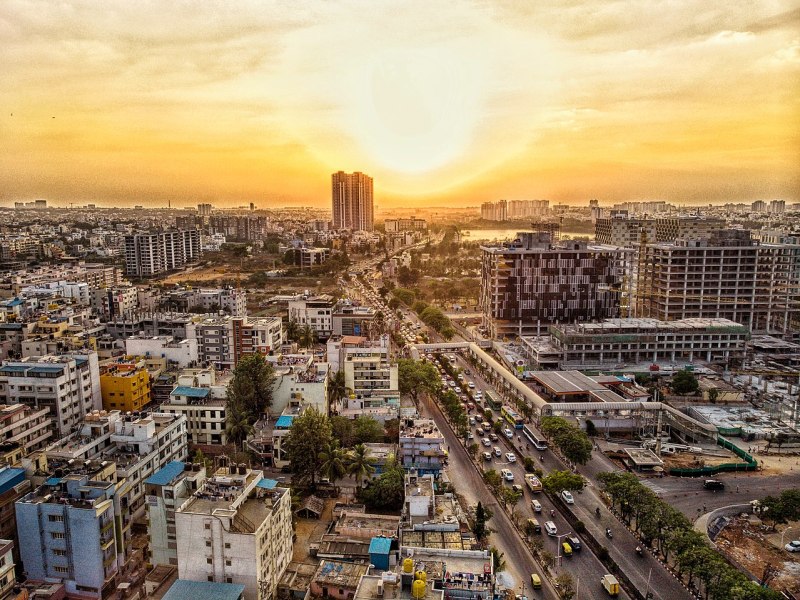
359,463
493,480
571,440
403,295
367,430
332,461
292,330
511,497
498,560
307,336
251,386
342,430
392,430
407,276
556,482
310,433
388,491
482,515
237,424
566,586
591,428
685,383
417,377
713,395
337,390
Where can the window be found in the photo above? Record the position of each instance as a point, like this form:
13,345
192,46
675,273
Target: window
61,569
55,518
227,544
208,543
228,562
208,526
229,580
210,578
209,560
57,535
59,552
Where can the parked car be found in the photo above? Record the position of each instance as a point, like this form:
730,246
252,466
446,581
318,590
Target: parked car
793,546
486,442
487,456
567,497
493,437
713,484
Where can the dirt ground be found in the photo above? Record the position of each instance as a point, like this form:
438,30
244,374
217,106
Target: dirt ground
754,547
309,531
691,460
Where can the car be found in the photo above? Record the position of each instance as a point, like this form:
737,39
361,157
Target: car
550,528
713,484
517,488
487,456
497,452
508,433
471,385
575,542
479,430
507,475
567,497
458,390
471,436
793,546
486,442
536,506
471,420
511,457
493,437
536,581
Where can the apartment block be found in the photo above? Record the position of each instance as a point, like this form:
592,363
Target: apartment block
149,254
727,276
237,528
23,429
67,385
67,534
7,577
411,224
422,446
352,201
314,311
223,341
125,385
373,380
349,319
531,283
167,489
181,353
13,486
113,301
205,413
618,342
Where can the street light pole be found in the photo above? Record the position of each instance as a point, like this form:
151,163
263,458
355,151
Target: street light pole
784,533
558,540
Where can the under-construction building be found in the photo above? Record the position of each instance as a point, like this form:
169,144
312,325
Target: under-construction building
728,275
535,281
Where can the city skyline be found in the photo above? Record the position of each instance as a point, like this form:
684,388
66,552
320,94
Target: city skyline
452,106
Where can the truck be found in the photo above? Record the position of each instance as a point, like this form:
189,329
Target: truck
533,483
610,584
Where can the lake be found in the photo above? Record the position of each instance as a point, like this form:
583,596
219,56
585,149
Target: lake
488,235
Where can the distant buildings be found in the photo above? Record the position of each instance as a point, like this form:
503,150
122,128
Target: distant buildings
398,225
149,254
531,283
506,210
622,230
352,201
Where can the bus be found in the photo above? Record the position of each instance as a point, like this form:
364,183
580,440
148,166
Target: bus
534,439
491,400
512,416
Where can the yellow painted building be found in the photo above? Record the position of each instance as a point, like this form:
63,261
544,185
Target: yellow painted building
125,387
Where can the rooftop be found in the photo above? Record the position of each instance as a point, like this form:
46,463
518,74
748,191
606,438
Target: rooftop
566,382
183,589
191,392
339,574
167,474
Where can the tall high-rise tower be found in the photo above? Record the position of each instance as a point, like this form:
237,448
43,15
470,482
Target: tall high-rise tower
351,196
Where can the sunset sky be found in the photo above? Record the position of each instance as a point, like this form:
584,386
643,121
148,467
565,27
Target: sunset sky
443,103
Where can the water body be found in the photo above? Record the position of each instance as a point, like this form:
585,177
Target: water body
489,235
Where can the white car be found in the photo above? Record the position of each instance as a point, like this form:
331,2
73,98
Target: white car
486,442
471,385
536,505
508,433
550,528
511,457
567,497
487,456
507,475
793,546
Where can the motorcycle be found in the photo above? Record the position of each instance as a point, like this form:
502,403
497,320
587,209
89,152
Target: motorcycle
597,512
639,551
609,535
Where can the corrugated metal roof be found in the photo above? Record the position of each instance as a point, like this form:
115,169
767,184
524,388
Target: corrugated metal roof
284,421
267,484
380,545
10,477
183,589
192,392
166,474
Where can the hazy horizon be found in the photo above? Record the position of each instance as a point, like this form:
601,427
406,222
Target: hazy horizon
448,105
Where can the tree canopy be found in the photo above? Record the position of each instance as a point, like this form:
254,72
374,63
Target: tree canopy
685,383
309,436
417,376
251,385
570,439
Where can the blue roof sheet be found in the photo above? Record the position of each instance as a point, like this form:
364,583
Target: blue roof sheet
192,392
284,421
380,545
166,474
10,477
53,481
183,589
267,484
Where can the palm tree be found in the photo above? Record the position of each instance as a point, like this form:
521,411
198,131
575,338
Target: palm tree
359,463
237,424
307,336
332,462
292,330
336,387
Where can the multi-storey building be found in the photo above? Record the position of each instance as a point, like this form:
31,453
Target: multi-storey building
67,534
115,301
222,341
125,385
205,413
728,276
372,379
27,428
240,228
503,210
237,528
13,485
622,230
531,283
422,446
177,325
148,254
229,300
68,385
635,341
348,319
315,311
7,577
410,224
352,201
167,489
181,353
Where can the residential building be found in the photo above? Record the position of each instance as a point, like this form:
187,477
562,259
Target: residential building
68,385
422,446
24,428
728,276
531,283
372,379
166,490
125,385
352,201
67,534
205,413
113,301
231,301
181,353
349,319
504,210
410,224
617,342
149,254
223,340
314,311
13,485
7,577
237,528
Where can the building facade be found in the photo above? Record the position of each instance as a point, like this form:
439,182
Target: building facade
352,201
149,254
